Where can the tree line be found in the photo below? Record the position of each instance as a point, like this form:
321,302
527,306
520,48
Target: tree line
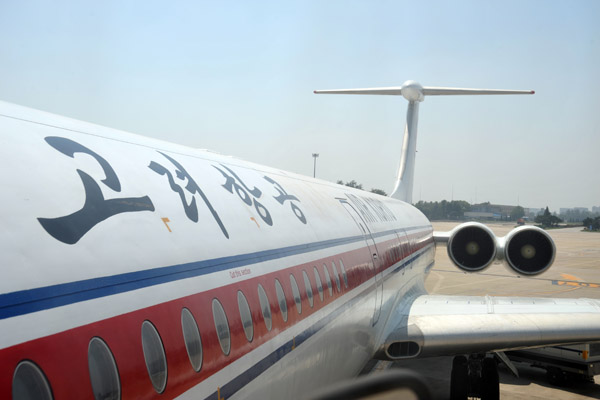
435,210
592,223
547,219
455,210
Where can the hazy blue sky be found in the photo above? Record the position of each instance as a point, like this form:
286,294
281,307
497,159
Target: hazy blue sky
237,78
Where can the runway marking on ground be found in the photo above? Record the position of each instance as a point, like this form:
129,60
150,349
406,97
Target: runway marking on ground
570,277
577,284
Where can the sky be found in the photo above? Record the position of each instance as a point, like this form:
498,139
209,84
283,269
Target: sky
238,78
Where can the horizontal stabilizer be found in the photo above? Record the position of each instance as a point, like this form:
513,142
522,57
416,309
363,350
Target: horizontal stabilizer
414,93
441,91
390,91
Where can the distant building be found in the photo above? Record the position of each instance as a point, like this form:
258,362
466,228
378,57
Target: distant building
535,211
481,215
596,209
492,211
575,214
575,209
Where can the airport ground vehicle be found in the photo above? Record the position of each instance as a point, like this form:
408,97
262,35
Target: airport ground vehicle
563,364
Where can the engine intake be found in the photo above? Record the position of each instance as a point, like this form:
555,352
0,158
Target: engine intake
472,246
529,250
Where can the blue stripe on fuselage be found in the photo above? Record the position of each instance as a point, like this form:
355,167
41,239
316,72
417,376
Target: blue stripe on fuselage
38,299
237,383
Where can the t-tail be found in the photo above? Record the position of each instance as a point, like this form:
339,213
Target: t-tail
414,93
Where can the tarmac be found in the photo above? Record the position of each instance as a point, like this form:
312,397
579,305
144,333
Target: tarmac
574,274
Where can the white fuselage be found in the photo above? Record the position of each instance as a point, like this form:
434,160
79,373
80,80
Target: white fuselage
103,230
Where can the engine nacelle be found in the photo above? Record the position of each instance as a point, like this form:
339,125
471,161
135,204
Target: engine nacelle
528,250
472,246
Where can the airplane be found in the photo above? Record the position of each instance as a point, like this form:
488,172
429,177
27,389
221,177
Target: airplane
138,268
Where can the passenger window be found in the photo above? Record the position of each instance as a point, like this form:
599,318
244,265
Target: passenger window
336,276
246,316
328,280
281,300
344,275
154,355
104,375
265,307
29,383
296,293
191,338
222,326
307,285
319,284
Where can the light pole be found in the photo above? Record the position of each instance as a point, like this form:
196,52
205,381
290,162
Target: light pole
315,155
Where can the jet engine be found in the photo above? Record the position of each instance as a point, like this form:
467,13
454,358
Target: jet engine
472,246
529,250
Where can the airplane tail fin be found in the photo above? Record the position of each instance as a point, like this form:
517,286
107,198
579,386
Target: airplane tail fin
414,93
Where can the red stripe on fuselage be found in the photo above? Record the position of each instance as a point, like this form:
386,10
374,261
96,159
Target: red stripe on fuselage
63,356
